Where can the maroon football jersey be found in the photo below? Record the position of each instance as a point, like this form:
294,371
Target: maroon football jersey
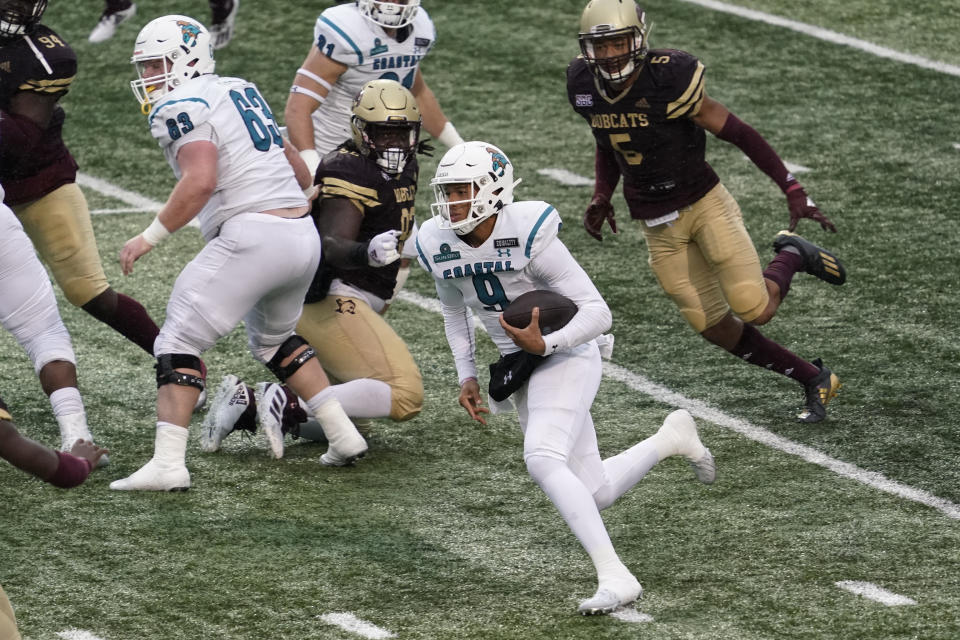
387,203
42,63
659,149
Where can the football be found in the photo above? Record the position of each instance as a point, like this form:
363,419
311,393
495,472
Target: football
555,310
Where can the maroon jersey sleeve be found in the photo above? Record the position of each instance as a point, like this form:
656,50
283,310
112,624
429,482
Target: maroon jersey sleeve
386,202
44,64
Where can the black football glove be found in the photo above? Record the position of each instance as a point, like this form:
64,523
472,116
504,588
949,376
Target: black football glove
802,206
597,211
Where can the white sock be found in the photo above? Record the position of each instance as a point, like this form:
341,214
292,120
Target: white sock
332,418
66,401
170,445
363,398
629,467
574,502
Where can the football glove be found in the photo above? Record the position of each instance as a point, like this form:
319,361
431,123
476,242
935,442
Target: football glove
802,206
597,211
382,248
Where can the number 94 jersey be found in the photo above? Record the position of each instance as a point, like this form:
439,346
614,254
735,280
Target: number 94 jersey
253,173
649,129
345,36
498,271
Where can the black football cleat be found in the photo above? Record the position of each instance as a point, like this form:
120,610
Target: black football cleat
819,392
816,260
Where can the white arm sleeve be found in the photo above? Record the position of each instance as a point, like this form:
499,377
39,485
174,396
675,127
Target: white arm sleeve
459,326
558,269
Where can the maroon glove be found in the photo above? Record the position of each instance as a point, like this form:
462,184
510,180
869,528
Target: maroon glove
597,211
801,206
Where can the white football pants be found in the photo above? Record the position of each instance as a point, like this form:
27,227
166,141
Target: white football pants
257,270
28,307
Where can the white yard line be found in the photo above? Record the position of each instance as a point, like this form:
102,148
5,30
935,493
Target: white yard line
829,36
566,177
631,615
704,411
871,591
77,634
139,202
353,624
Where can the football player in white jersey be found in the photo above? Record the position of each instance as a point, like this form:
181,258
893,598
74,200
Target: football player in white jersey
484,250
28,310
354,43
236,175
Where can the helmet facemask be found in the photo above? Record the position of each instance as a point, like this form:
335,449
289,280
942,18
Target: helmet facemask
390,145
169,51
19,17
488,175
389,15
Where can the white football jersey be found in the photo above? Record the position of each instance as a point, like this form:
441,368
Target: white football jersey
493,274
253,173
344,35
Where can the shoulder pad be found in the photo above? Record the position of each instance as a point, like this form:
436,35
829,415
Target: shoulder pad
177,114
683,73
536,224
341,34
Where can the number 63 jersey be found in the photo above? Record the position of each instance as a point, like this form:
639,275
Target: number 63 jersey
253,173
490,276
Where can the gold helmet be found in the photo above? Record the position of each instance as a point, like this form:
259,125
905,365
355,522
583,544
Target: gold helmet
613,38
386,124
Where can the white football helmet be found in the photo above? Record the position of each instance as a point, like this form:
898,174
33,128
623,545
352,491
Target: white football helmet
392,15
490,174
19,17
169,51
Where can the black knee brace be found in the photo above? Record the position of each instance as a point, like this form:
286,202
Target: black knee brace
290,345
169,361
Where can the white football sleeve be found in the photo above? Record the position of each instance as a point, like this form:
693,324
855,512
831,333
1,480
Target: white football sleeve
560,272
459,327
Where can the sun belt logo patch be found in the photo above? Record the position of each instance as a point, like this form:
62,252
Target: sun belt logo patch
189,31
499,161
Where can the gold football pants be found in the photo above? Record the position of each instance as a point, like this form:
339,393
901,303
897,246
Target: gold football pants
706,262
353,341
8,623
59,227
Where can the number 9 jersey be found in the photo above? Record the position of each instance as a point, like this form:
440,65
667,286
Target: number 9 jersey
253,173
342,34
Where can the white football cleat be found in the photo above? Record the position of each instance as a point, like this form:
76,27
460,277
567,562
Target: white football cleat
107,26
271,400
222,32
226,413
610,597
344,449
681,430
155,476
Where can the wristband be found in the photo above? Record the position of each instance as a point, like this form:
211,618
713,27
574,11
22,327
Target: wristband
448,136
155,233
312,160
71,471
793,187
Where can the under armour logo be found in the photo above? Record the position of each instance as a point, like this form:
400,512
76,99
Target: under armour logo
507,378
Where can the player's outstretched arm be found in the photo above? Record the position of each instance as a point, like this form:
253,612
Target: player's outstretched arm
64,470
717,119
